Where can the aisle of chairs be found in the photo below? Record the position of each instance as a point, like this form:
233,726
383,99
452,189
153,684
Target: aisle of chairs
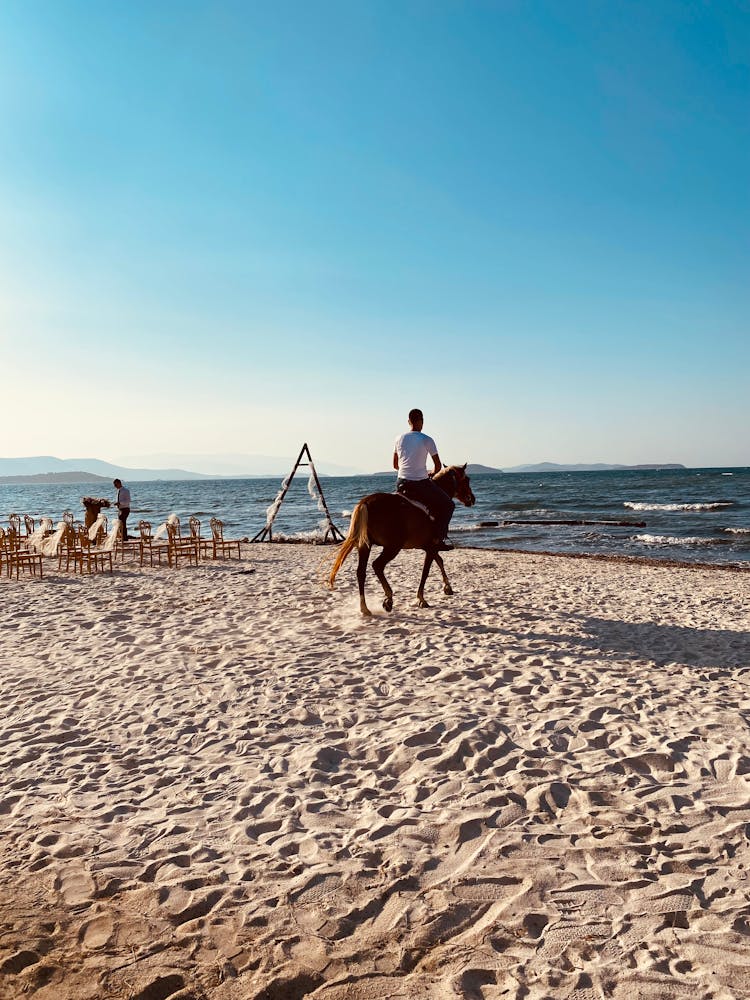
29,544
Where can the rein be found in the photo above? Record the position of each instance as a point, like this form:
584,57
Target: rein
444,475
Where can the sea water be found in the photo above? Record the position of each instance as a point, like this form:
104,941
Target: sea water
694,515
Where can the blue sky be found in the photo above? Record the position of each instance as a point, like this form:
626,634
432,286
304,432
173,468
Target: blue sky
234,227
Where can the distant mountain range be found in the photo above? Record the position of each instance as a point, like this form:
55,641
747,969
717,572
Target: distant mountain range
26,469
472,469
47,469
54,477
597,467
234,465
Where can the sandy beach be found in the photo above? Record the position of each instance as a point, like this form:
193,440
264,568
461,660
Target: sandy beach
221,782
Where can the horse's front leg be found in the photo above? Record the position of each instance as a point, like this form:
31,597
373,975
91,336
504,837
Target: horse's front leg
429,555
364,555
379,565
447,589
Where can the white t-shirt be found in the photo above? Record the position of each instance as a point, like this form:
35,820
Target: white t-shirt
123,497
413,450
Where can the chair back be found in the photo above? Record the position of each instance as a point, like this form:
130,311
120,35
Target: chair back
29,524
103,531
13,533
144,527
69,539
217,529
7,549
68,517
195,529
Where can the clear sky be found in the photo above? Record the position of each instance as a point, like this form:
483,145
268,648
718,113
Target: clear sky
236,226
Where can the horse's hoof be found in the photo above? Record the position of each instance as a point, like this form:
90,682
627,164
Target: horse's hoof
422,603
388,604
448,590
366,613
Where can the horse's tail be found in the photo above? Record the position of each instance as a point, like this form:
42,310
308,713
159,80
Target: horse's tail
357,538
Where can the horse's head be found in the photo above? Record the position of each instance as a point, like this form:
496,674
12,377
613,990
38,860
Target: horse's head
456,484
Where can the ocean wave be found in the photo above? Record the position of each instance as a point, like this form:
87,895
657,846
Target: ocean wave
508,513
457,529
736,531
675,540
313,535
714,505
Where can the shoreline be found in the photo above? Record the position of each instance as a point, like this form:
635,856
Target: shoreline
248,548
736,567
228,785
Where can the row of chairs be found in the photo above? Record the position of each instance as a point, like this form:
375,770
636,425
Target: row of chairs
75,549
191,547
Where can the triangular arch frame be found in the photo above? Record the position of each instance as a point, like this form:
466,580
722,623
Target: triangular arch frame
332,532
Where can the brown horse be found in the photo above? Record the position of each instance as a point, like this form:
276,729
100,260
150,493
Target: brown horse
390,520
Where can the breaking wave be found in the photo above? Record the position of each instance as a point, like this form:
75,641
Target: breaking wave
674,540
716,505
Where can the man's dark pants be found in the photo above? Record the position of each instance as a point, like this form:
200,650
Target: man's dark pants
435,500
124,511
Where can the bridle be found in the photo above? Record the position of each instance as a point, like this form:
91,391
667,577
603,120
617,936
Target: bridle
444,474
451,472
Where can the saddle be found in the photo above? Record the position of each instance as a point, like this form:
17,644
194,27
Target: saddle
417,504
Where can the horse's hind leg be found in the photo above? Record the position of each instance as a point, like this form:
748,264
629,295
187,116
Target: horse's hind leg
429,555
364,555
378,566
447,589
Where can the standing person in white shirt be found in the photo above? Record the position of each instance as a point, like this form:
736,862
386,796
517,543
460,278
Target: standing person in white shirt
410,456
123,505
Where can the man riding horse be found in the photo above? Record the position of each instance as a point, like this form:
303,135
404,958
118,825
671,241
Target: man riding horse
410,456
395,522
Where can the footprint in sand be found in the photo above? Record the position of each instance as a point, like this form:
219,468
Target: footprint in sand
488,890
18,962
75,887
184,906
161,988
318,887
96,932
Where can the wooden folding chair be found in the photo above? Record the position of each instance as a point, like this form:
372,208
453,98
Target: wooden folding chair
69,549
148,545
12,556
91,557
223,546
204,545
179,547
